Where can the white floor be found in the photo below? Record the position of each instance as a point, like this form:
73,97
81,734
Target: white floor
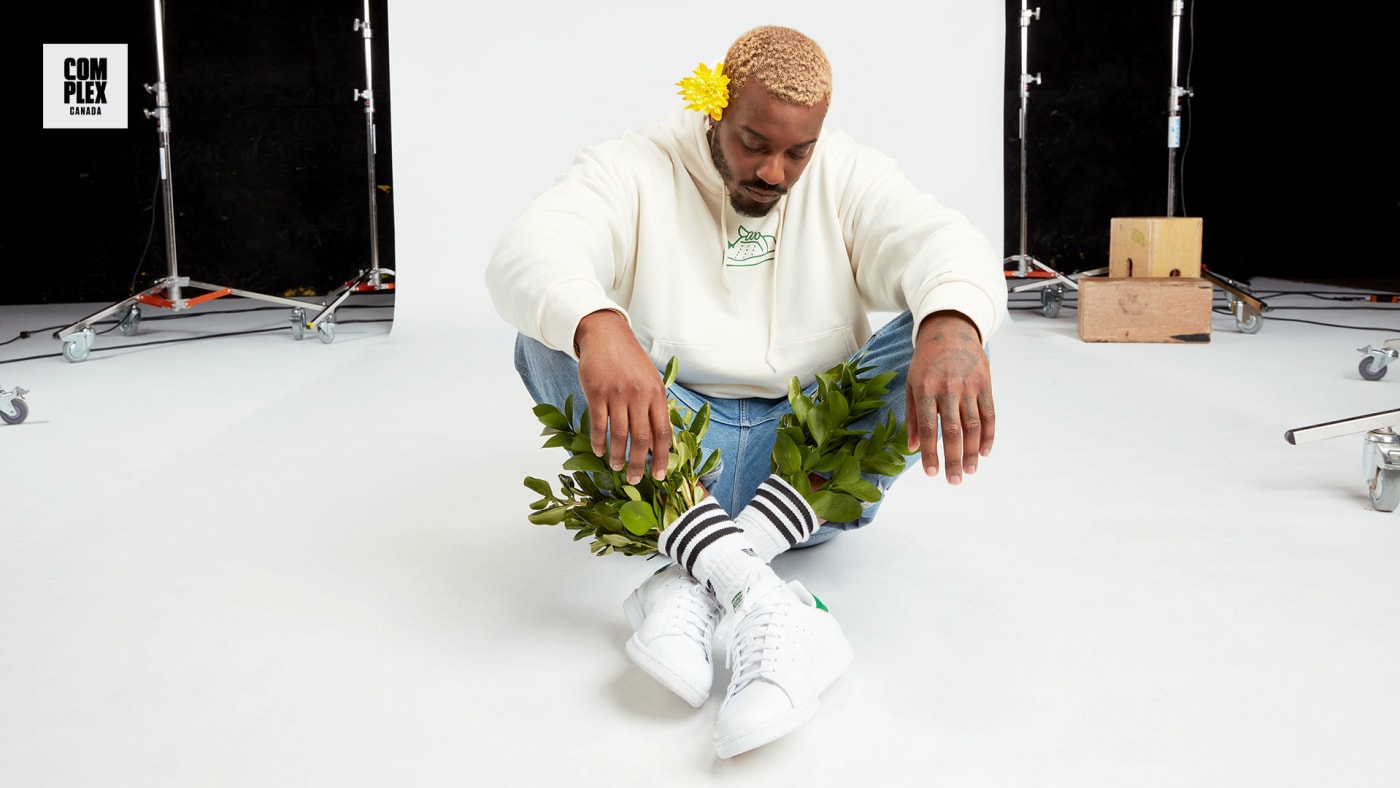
250,561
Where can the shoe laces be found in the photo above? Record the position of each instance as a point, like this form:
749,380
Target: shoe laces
757,644
696,614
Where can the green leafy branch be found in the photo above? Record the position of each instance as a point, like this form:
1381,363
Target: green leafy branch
597,501
816,439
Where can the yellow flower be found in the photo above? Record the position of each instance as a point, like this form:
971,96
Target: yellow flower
707,91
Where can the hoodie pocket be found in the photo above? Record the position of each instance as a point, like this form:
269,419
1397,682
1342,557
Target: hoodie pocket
753,370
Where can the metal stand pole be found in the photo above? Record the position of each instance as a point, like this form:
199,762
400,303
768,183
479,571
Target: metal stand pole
1023,259
167,293
370,280
1052,288
1174,109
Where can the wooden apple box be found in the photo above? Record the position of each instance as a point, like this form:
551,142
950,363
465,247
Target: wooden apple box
1154,247
1139,309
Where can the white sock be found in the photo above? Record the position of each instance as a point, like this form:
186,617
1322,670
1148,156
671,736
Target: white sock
708,545
777,519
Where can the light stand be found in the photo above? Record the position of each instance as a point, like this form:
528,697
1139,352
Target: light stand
1052,289
1023,259
1247,310
370,280
166,293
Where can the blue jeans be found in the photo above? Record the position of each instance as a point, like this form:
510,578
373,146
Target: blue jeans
741,429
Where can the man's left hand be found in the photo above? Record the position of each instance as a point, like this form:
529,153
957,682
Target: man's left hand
950,384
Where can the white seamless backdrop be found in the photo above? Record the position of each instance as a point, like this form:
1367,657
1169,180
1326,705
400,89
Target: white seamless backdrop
492,101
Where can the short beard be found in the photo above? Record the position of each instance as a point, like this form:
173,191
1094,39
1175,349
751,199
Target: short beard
754,209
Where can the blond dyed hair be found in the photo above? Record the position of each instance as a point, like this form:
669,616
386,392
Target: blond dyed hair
790,65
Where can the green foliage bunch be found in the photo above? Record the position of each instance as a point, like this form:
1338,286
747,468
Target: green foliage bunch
597,501
816,439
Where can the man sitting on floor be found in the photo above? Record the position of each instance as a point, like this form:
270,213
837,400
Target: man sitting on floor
695,239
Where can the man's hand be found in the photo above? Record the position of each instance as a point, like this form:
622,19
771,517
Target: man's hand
949,380
625,395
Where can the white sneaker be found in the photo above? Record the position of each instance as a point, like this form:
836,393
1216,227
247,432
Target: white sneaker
674,618
786,649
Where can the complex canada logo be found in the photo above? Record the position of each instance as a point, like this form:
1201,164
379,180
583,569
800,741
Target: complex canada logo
85,86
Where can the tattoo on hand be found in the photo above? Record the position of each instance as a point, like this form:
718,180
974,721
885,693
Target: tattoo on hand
959,361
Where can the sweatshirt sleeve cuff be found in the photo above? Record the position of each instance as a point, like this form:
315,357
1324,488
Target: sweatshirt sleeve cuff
564,306
965,299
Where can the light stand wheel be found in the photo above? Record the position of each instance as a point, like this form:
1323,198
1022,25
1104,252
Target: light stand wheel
79,345
1370,370
1050,300
1247,320
298,324
1380,461
131,321
21,412
1385,490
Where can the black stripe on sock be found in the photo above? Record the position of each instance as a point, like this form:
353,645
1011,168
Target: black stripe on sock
767,505
692,524
673,533
806,521
708,540
686,554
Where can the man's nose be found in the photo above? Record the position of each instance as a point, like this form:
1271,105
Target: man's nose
770,171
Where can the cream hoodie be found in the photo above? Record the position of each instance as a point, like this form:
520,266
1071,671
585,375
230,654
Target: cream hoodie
639,224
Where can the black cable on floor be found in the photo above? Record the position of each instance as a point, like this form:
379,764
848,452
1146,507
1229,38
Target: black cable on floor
1318,323
187,339
26,334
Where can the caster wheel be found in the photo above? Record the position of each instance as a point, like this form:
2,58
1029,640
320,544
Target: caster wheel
1250,323
1385,490
78,345
298,324
131,322
1370,370
1050,300
325,332
21,412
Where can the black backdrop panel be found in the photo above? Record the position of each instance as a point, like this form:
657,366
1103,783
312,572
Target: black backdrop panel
269,153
